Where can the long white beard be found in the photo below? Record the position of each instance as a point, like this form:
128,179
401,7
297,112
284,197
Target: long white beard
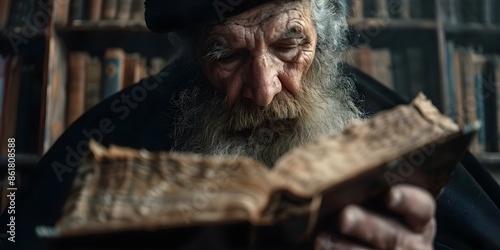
206,124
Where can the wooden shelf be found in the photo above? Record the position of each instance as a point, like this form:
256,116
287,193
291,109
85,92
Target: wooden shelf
105,25
472,28
371,23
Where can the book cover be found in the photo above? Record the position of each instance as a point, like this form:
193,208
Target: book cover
75,105
113,71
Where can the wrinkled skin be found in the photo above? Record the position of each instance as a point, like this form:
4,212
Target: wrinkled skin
267,50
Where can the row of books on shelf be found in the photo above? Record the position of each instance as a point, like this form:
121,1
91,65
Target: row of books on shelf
471,11
472,91
75,12
398,9
92,79
402,70
32,15
474,85
20,99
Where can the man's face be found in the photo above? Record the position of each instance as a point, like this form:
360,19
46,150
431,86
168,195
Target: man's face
261,54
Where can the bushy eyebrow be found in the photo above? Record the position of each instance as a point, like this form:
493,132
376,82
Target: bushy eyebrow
215,51
293,33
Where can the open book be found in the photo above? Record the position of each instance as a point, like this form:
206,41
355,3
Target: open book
126,189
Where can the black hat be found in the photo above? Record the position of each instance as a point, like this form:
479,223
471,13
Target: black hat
167,15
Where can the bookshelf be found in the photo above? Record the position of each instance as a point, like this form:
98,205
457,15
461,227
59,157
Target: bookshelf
458,45
408,47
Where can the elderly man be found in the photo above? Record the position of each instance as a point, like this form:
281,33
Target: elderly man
252,78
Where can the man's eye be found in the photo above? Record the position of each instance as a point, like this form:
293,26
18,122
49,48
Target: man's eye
286,48
230,57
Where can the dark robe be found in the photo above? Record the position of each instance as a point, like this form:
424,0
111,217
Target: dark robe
468,212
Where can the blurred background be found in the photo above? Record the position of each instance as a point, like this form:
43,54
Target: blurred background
58,58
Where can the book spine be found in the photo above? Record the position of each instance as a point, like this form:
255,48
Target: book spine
365,60
497,87
487,12
458,82
61,8
357,9
10,106
381,62
114,63
93,86
382,10
137,10
3,62
452,112
75,105
95,10
399,72
77,10
405,9
4,13
109,9
417,10
124,10
132,69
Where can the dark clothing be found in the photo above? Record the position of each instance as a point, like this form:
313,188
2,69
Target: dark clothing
141,116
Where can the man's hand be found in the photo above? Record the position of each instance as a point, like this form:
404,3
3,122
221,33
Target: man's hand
416,231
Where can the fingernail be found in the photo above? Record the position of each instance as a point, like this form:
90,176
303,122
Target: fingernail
395,198
351,218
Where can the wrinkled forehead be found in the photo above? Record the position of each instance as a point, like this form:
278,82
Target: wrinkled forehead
268,15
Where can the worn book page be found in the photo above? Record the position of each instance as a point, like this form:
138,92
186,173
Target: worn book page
125,188
387,136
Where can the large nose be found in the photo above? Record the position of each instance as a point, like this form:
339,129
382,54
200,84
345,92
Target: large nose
262,82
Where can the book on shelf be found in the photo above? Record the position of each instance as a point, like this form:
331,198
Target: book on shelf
356,9
124,10
55,105
497,88
113,72
78,10
4,13
93,84
3,73
20,12
137,12
61,12
374,62
110,11
95,10
75,105
10,101
134,65
121,189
